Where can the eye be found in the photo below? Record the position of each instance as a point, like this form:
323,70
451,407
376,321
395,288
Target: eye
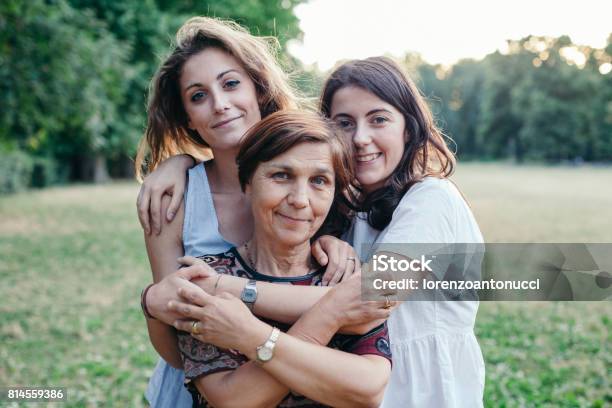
319,180
231,84
198,95
345,124
379,120
280,175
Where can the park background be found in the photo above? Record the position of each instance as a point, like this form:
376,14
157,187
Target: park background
533,131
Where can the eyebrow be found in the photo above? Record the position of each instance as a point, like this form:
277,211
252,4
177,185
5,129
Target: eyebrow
318,169
198,84
376,110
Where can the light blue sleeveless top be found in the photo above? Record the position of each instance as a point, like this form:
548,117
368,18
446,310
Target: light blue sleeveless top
200,237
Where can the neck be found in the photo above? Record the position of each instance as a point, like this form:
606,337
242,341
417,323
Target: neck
224,171
273,258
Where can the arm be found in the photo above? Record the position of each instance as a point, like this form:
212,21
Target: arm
163,251
326,375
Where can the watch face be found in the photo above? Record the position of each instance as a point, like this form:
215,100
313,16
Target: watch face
264,354
249,296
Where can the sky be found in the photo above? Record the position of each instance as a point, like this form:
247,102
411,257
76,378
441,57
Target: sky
441,31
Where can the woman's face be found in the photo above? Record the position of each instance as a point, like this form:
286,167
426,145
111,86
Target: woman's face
291,194
219,98
377,130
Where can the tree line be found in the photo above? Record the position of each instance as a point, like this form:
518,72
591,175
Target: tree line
74,76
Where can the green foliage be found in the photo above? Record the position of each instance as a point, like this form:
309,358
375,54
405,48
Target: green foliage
15,171
74,73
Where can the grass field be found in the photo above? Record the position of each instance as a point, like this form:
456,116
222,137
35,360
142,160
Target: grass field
72,264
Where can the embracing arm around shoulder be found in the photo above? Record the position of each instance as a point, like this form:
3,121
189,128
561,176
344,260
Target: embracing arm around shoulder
163,251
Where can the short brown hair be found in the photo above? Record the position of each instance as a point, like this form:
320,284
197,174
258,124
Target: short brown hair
281,131
167,131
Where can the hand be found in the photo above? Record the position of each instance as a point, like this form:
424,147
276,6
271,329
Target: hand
224,321
344,303
170,289
168,178
341,259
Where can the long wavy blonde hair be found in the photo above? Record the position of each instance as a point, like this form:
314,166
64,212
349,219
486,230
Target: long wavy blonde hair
167,131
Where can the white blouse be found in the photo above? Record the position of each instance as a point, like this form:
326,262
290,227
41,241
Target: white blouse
437,361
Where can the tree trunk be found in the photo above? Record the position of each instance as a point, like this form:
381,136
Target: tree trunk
100,171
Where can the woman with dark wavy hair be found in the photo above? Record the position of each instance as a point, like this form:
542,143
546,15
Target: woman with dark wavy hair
402,165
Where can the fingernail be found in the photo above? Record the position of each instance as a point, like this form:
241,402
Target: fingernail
170,216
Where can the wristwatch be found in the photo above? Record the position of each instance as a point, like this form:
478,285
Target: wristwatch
249,294
265,352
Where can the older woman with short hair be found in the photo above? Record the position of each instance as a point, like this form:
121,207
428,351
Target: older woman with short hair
294,169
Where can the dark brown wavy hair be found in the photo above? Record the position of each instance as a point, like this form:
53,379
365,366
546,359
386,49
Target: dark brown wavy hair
425,151
167,131
283,130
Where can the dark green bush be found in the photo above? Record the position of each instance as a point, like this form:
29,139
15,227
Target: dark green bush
16,169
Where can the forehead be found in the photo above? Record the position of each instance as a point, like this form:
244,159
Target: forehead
356,101
205,66
304,157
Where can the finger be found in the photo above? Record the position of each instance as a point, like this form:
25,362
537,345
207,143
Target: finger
177,199
319,254
193,294
340,266
199,337
143,209
196,271
185,325
156,210
189,260
336,278
350,270
332,267
185,309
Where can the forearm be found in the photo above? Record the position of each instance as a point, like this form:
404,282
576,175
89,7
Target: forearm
247,386
164,340
250,385
332,377
279,302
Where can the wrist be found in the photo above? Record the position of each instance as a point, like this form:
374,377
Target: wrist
146,310
329,311
256,335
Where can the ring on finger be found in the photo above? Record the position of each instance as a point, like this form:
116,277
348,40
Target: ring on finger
387,303
350,258
195,327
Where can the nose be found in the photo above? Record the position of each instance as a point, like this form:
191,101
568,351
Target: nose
361,137
298,196
220,102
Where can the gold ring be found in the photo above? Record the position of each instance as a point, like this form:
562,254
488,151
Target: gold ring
194,327
387,303
350,258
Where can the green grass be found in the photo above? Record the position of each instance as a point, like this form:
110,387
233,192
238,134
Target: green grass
72,264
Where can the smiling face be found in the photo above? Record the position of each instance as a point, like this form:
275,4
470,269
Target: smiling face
377,130
292,193
219,98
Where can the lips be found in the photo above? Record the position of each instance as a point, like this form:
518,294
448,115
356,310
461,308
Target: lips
292,218
367,158
225,122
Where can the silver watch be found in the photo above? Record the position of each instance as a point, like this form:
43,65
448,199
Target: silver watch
249,294
265,352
